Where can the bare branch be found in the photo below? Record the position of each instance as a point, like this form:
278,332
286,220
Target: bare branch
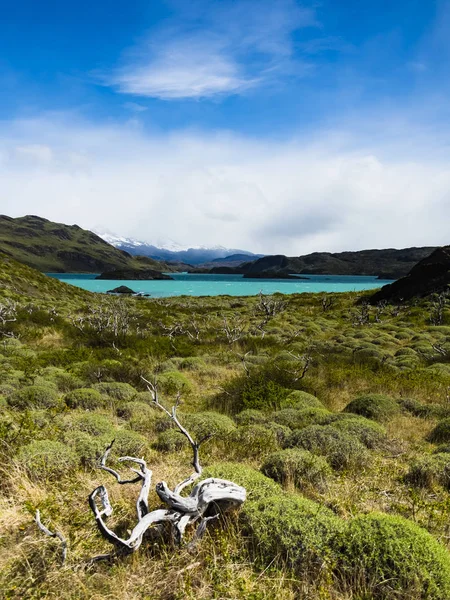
55,534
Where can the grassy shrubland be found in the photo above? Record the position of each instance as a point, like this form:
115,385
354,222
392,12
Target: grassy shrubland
337,424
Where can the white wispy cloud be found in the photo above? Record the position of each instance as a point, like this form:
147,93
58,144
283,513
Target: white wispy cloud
223,49
335,191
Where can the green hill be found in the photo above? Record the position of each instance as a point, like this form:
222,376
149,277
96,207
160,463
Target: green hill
55,247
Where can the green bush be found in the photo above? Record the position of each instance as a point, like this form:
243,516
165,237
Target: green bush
85,398
172,382
34,396
371,434
262,393
251,416
116,390
88,448
296,419
301,400
203,424
92,423
276,524
441,433
297,467
47,459
252,441
383,557
282,432
171,440
137,410
424,411
64,381
129,443
428,471
342,451
373,406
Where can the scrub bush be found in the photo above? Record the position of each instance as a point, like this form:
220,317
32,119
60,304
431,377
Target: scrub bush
383,557
428,471
47,459
441,433
343,451
34,396
296,419
85,398
297,467
371,434
373,406
116,390
300,400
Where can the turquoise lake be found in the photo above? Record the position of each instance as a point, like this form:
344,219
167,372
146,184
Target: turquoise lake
185,284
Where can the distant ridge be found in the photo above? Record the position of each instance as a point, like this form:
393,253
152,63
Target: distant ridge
56,247
386,264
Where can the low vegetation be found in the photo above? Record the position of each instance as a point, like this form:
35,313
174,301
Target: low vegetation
334,415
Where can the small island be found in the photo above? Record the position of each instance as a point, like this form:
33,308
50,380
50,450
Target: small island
122,289
134,275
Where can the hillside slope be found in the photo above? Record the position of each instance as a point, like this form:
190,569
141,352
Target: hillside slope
55,247
388,263
431,275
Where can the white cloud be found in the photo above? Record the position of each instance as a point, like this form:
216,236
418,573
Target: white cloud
225,49
301,195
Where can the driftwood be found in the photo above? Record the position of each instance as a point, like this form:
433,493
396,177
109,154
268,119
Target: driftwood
53,534
203,503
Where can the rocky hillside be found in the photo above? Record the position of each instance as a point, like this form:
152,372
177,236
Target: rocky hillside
55,247
430,275
386,264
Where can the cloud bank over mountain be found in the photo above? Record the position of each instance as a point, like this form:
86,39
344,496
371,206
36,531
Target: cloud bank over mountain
332,191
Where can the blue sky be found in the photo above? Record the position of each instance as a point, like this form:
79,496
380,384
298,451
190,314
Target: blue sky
259,124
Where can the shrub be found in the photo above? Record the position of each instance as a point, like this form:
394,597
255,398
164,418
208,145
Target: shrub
47,459
34,396
93,424
252,441
282,432
296,467
373,406
300,400
296,419
298,530
383,557
128,443
262,393
116,390
85,398
172,382
88,448
342,450
441,433
171,440
371,434
211,423
424,411
137,410
251,416
64,381
428,471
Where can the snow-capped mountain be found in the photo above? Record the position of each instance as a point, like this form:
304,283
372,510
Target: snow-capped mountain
169,250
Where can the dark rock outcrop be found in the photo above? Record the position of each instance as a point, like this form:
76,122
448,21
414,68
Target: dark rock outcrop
431,275
122,289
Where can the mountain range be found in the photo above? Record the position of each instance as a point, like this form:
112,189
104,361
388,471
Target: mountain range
168,250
